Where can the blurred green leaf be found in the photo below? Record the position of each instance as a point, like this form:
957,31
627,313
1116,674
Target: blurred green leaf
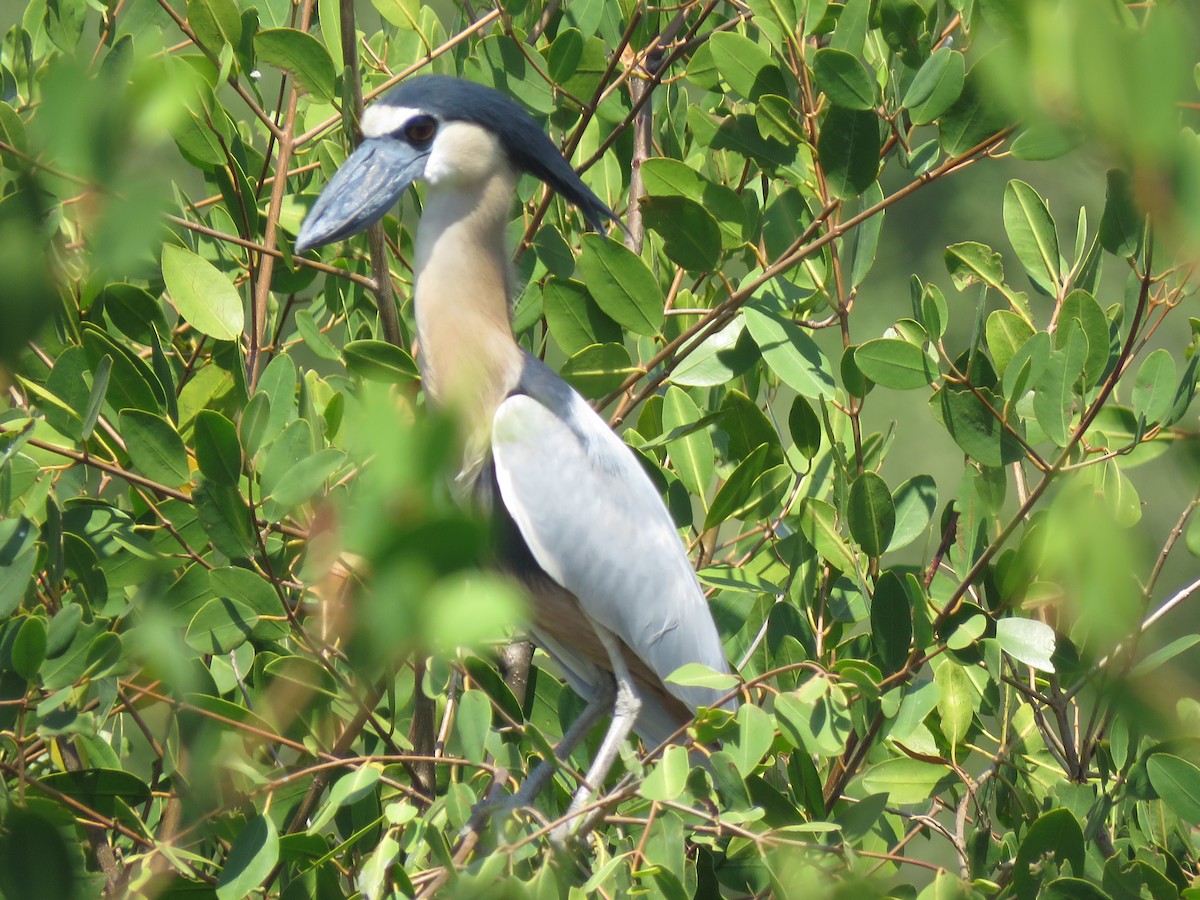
254,854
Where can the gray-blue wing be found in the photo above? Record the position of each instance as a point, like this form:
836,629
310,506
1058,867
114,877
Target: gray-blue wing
595,523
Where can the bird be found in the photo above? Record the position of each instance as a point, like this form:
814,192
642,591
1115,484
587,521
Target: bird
614,599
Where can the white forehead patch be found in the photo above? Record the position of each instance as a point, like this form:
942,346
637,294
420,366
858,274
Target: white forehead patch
382,119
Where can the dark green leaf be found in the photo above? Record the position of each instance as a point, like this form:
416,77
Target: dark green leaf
29,647
870,513
848,147
1056,832
804,427
691,236
732,496
843,79
973,118
35,863
971,421
218,453
891,621
1121,224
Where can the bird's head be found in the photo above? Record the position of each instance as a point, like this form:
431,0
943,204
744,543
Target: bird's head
438,129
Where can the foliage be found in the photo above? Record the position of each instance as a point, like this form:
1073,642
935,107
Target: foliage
246,635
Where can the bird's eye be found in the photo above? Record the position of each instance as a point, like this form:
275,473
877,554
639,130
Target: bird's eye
420,130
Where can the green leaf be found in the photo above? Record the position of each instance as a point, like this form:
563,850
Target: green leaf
1081,312
971,420
905,780
672,178
734,498
473,721
956,705
574,318
667,780
843,79
155,447
896,364
1028,640
96,398
225,518
349,789
972,118
35,862
1177,782
380,361
891,621
791,353
804,427
818,523
1121,223
1054,395
691,455
1154,387
756,734
747,427
915,502
621,284
1032,233
215,22
203,294
698,675
218,453
1005,332
720,358
300,55
220,626
307,478
1056,834
848,147
28,649
870,513
254,854
937,85
691,236
598,369
747,67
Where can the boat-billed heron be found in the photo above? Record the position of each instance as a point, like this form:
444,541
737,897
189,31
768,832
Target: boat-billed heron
614,599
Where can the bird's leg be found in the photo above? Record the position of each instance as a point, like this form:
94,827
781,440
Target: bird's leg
625,712
598,704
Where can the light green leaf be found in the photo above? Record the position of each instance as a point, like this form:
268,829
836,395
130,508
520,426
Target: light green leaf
598,369
905,780
818,522
667,780
1154,387
692,454
956,705
915,501
215,22
1032,233
221,625
348,789
896,364
203,294
747,67
1054,395
380,361
1028,640
1177,781
791,353
699,675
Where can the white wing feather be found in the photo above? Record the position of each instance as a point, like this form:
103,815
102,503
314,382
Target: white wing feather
595,523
